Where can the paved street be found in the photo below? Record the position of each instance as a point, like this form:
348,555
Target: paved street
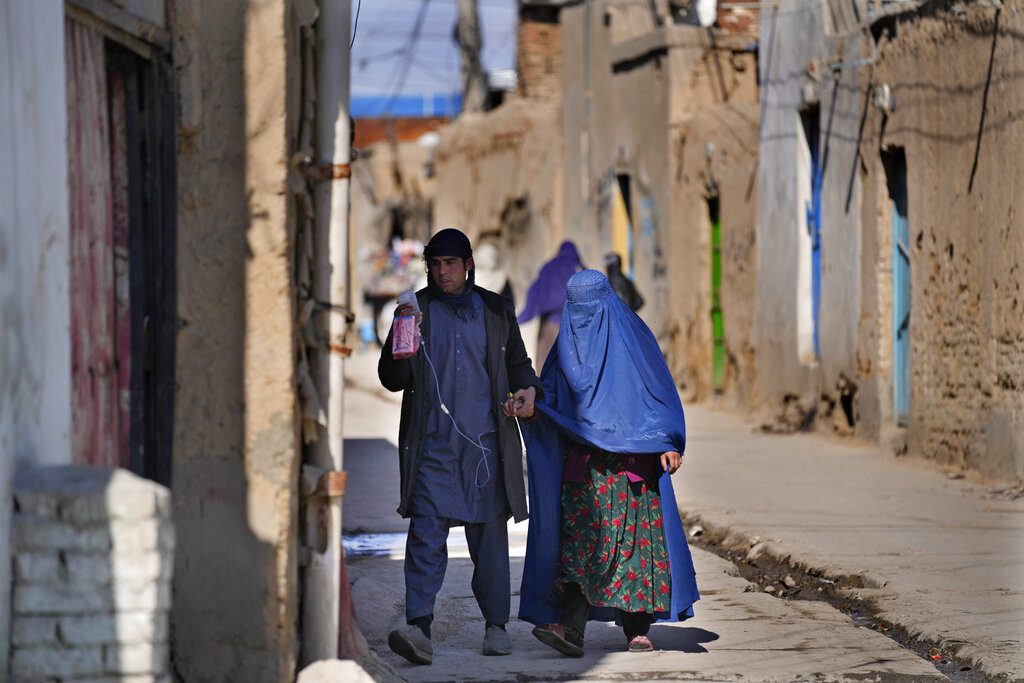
804,496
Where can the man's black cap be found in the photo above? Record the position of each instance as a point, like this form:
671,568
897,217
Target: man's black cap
449,242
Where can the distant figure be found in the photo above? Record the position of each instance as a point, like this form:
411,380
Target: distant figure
490,271
621,284
546,297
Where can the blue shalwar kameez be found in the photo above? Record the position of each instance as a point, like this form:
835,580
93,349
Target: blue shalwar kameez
457,482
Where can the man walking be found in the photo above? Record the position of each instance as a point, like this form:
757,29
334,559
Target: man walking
459,450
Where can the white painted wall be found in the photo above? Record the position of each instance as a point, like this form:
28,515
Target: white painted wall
791,36
35,345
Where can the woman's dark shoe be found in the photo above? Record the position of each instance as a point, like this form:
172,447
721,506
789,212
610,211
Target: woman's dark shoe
640,644
555,635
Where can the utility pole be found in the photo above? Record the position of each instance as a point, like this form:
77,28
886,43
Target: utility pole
467,35
326,628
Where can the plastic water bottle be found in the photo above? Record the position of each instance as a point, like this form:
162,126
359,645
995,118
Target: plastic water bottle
405,333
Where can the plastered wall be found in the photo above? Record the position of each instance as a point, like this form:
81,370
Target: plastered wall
236,450
35,355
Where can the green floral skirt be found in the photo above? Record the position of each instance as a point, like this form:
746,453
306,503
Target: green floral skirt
613,541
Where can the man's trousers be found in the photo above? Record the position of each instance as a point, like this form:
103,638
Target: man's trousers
426,558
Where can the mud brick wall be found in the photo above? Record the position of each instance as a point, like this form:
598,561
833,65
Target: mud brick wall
539,53
93,554
965,202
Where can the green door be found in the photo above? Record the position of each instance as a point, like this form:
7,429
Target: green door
717,321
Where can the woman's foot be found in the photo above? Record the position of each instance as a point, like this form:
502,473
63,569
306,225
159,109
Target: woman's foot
640,644
555,636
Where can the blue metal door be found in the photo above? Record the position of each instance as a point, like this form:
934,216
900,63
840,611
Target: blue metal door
813,208
897,178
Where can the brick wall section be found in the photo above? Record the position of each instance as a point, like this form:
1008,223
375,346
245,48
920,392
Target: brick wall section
93,554
740,20
539,53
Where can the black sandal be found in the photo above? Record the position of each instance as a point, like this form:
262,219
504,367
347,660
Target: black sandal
557,637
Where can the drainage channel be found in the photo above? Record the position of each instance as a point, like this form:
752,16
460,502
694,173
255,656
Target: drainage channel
792,582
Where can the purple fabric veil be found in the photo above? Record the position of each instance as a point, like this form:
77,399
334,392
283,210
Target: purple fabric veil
546,296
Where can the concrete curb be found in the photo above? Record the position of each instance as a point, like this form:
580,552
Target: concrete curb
863,587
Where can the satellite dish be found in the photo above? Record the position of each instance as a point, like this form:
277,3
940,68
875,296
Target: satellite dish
707,12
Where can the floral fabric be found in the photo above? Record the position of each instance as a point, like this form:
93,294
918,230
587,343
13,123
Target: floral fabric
613,540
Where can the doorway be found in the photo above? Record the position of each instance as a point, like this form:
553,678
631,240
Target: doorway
717,319
122,185
810,119
895,162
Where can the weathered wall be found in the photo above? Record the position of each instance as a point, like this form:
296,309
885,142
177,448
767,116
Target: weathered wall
611,136
648,80
539,53
730,133
35,354
957,117
960,119
236,450
499,174
791,36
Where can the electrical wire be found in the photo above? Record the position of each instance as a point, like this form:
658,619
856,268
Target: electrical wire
403,72
484,450
355,27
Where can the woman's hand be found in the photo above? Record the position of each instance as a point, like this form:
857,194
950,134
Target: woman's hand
671,460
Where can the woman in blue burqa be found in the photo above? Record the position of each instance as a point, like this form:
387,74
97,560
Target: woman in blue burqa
605,541
546,298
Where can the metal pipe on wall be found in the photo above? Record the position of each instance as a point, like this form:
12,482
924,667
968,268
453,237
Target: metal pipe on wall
323,589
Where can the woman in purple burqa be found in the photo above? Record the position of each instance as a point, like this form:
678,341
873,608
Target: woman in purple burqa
546,298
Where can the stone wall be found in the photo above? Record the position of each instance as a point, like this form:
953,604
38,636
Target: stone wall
93,557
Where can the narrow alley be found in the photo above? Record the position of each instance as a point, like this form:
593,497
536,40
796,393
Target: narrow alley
747,485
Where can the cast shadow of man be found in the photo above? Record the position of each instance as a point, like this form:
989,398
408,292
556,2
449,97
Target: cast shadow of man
681,638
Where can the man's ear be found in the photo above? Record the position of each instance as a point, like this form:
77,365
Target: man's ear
469,264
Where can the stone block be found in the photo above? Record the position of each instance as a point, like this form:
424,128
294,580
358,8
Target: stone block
89,629
152,596
133,536
34,567
133,568
39,503
34,631
122,499
121,628
141,567
142,658
32,532
57,662
87,495
333,670
88,569
56,599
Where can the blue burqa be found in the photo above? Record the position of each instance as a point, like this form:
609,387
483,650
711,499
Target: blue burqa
546,295
606,384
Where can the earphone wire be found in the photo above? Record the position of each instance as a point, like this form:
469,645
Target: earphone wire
484,450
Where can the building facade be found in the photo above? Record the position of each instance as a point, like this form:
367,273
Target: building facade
158,237
902,228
